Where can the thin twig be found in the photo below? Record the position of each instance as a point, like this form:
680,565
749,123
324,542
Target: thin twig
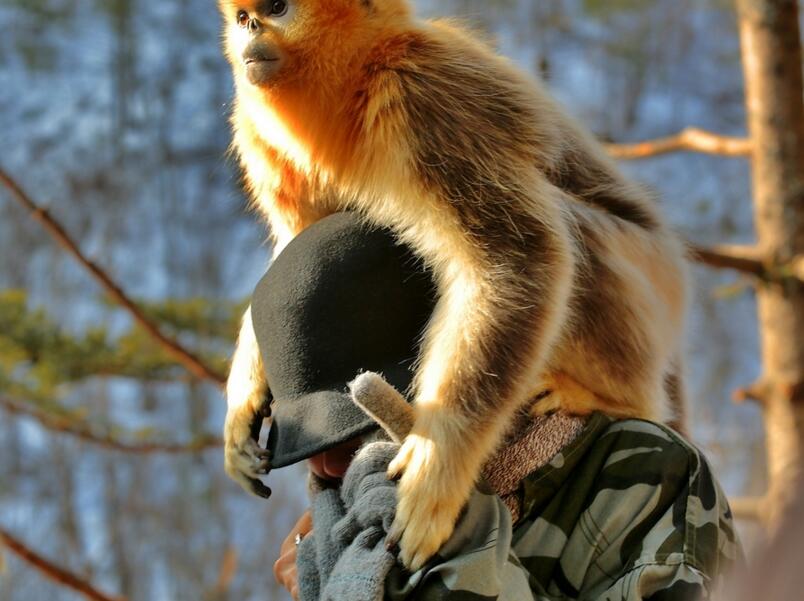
186,358
64,425
52,571
690,139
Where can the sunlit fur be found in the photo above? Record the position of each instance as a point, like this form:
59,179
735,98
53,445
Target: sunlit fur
553,270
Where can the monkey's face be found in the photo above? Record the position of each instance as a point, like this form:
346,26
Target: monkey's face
255,36
274,43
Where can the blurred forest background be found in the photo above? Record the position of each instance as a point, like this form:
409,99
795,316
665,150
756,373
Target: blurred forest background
113,115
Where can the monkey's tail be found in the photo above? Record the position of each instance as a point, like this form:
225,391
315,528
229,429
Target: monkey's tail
382,402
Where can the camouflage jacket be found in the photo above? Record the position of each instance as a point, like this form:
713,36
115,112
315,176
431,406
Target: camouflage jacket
629,510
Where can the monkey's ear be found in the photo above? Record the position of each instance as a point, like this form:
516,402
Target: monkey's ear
383,403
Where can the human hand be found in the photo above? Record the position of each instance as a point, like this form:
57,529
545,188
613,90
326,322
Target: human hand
285,567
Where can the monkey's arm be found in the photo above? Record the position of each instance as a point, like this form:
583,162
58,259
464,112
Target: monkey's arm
247,398
290,202
480,209
503,301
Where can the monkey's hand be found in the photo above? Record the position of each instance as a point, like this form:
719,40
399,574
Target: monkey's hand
248,404
436,474
244,459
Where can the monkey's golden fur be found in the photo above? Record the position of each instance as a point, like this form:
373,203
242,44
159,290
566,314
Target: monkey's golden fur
553,270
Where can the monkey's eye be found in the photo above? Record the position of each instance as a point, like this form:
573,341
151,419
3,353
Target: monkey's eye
278,8
242,18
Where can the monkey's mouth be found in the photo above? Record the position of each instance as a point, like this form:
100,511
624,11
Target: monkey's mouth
262,61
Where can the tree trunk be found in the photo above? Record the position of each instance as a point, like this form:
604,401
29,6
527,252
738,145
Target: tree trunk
771,53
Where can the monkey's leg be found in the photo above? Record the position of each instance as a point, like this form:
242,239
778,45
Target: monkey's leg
630,301
489,337
247,398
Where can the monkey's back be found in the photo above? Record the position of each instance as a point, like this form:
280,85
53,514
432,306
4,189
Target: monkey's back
476,120
482,133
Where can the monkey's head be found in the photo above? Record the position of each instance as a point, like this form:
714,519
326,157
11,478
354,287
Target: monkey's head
275,44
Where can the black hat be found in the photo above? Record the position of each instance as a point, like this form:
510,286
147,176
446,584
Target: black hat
341,298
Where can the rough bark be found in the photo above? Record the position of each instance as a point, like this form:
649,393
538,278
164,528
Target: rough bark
771,52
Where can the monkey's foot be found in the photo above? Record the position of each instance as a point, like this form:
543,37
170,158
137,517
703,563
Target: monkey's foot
433,488
244,459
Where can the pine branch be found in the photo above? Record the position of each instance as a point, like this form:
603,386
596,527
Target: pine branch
189,360
690,139
63,424
52,571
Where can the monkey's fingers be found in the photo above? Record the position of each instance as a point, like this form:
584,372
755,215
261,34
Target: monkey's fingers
399,464
252,485
392,538
262,413
248,457
434,486
246,461
420,533
259,489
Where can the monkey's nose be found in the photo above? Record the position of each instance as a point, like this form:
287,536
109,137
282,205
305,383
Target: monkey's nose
254,25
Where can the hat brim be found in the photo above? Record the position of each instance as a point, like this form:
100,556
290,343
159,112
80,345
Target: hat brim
313,423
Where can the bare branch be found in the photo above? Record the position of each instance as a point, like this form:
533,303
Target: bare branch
52,571
226,572
758,391
752,509
763,391
748,260
743,259
186,358
64,425
690,139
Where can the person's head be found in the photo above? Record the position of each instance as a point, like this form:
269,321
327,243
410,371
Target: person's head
342,298
331,465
